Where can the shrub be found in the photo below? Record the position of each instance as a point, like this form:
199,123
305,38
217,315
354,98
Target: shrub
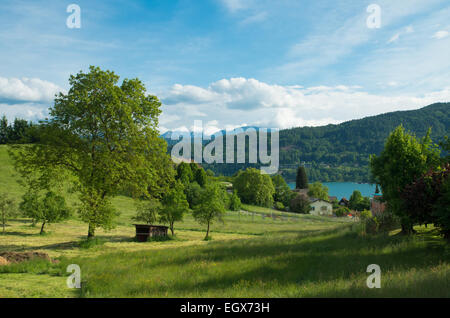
366,214
387,221
91,242
370,225
235,202
342,211
280,206
300,204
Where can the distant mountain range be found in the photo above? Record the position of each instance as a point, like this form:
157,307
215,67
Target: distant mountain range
341,152
168,134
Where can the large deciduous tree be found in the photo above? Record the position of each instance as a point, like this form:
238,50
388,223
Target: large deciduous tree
403,160
105,134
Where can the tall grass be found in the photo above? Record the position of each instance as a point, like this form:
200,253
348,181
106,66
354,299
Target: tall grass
325,264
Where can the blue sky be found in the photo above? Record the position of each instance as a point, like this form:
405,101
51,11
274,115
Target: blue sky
229,63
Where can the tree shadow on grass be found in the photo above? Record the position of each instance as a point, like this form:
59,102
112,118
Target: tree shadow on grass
17,233
57,246
13,248
118,238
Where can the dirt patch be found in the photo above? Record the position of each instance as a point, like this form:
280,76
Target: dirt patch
18,257
3,261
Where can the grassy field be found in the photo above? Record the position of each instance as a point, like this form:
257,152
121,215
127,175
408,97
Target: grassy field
251,255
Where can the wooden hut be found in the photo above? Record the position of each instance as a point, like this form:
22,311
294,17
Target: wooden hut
144,231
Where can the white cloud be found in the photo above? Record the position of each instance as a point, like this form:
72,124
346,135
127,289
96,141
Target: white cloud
27,90
440,34
240,101
394,38
235,5
28,111
255,18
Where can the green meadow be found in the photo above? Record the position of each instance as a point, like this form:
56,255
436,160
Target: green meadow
250,255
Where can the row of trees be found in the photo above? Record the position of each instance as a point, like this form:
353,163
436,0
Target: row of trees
260,189
414,180
17,132
102,140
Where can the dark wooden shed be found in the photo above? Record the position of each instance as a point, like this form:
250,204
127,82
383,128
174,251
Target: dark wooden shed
144,231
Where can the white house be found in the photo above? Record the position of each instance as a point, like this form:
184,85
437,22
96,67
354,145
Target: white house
321,207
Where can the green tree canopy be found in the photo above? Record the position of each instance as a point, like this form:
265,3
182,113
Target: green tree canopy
318,190
253,187
235,202
175,206
184,173
148,211
282,193
402,161
201,177
48,208
193,191
211,206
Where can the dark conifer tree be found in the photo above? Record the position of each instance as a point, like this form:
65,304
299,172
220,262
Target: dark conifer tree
301,182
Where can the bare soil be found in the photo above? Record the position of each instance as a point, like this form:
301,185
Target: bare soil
18,257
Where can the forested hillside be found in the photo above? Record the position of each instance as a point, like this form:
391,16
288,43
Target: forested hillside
346,147
341,152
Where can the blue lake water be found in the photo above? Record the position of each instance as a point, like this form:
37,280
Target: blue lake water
345,189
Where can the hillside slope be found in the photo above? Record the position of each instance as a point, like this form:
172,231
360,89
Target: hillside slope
341,152
352,141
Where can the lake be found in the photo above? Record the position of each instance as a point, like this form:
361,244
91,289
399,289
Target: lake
345,189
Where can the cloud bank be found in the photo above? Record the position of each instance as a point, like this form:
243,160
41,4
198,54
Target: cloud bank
253,102
27,98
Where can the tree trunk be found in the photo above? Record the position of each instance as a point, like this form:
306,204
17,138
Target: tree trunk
207,232
407,229
91,231
171,228
42,228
